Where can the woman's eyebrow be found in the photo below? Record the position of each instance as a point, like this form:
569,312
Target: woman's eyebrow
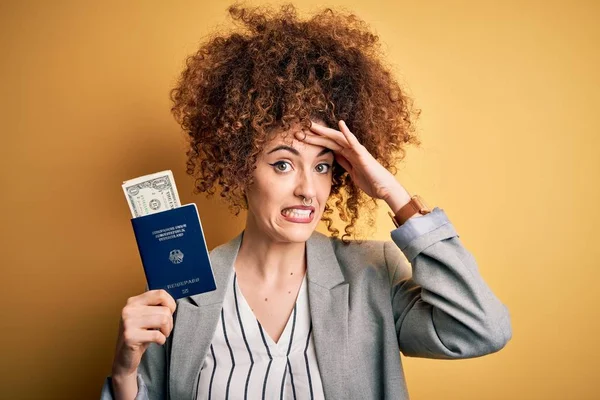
296,152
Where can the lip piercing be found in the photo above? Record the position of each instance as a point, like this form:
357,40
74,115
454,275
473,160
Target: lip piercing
305,203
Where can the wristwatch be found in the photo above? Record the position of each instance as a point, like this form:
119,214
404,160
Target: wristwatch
416,205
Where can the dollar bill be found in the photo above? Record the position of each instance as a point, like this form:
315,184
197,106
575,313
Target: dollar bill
151,193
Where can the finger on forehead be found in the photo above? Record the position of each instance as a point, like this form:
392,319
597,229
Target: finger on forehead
323,141
337,138
323,129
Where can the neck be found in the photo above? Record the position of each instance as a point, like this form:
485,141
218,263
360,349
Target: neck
268,259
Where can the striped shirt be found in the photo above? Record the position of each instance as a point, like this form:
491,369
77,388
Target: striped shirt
243,362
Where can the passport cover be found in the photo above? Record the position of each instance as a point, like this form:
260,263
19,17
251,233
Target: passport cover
173,251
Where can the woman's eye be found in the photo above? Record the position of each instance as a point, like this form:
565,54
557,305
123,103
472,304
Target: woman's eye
278,164
328,167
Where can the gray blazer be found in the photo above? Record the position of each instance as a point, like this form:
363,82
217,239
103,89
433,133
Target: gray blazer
366,306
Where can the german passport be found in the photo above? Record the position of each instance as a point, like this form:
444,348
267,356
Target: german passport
174,252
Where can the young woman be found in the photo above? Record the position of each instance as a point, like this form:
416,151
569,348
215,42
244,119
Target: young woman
291,118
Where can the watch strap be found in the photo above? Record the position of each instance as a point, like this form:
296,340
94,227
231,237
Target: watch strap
416,205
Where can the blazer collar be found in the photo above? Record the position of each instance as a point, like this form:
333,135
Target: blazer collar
321,265
197,317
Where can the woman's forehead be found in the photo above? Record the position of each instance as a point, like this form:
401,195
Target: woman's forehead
278,137
286,143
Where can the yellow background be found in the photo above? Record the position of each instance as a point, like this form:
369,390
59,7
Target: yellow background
510,97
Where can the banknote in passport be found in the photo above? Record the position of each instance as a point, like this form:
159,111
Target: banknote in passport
152,193
169,237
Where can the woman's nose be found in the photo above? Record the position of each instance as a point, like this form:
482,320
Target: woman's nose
306,186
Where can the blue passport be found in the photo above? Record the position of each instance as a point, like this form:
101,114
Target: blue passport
174,252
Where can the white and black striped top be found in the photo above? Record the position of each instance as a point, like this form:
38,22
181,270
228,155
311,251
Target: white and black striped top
245,363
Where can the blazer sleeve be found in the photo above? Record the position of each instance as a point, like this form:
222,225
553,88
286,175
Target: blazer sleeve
444,310
151,377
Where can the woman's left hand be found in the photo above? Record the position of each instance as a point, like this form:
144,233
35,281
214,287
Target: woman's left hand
368,174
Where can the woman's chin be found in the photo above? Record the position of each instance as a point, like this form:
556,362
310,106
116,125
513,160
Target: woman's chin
299,236
296,232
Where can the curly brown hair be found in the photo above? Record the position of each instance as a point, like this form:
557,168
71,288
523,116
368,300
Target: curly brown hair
278,70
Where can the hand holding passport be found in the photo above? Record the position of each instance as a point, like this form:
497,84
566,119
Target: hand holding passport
169,236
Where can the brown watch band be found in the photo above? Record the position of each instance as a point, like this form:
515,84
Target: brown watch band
416,205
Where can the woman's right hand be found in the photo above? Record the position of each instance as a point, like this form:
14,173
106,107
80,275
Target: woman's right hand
146,318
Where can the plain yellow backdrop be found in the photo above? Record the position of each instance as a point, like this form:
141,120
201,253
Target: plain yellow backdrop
510,97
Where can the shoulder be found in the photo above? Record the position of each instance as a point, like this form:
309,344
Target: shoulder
365,250
376,258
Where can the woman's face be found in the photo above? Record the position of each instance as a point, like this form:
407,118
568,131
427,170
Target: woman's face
287,171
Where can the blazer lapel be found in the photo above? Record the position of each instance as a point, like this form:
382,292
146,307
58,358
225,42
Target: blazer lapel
196,321
328,300
197,317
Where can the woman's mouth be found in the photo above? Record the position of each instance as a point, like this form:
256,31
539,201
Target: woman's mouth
297,215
